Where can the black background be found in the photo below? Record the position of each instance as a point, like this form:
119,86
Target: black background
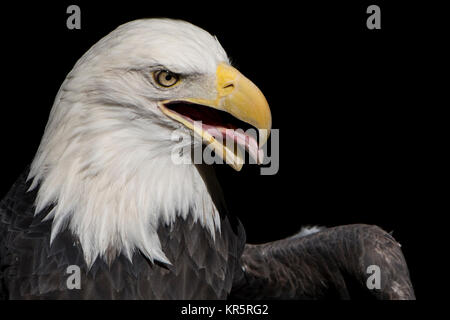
339,93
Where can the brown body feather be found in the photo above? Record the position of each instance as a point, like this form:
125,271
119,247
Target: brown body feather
330,264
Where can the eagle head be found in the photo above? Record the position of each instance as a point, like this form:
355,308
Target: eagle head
105,167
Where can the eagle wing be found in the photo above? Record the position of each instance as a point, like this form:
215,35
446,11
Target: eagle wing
333,263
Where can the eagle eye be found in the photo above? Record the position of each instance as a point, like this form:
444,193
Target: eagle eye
165,78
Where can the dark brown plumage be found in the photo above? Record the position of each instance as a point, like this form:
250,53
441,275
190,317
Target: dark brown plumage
330,264
31,269
325,265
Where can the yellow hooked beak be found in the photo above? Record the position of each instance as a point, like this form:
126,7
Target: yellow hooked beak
239,97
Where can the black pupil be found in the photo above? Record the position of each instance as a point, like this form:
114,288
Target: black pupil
168,77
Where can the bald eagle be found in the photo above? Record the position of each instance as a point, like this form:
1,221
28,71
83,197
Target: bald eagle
104,193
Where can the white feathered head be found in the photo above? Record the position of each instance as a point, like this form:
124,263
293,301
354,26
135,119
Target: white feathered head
105,163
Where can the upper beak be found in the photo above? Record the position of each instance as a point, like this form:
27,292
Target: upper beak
239,97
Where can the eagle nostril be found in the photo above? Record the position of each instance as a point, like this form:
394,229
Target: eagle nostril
228,87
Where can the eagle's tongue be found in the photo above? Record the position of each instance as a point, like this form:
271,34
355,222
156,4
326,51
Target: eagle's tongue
248,142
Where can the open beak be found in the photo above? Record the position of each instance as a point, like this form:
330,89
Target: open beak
236,96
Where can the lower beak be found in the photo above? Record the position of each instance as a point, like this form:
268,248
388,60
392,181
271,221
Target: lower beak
239,97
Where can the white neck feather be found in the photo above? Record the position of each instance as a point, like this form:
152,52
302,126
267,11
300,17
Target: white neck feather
113,183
